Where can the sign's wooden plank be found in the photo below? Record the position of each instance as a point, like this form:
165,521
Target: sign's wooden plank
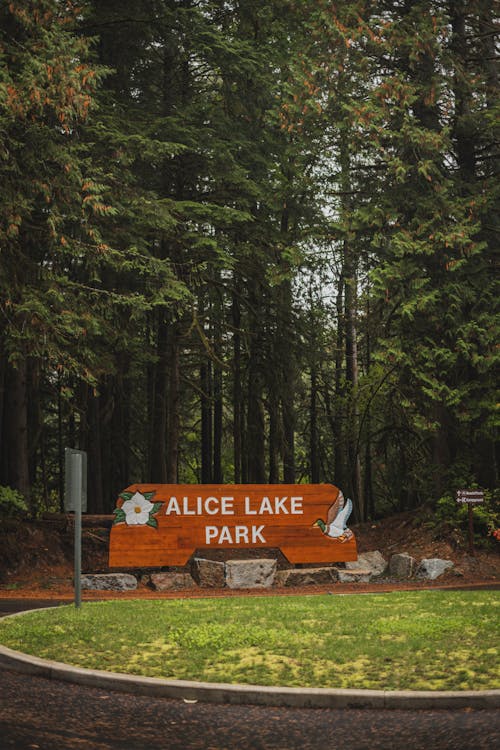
129,558
157,525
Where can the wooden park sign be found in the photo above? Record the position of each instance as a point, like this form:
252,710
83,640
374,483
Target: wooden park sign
164,524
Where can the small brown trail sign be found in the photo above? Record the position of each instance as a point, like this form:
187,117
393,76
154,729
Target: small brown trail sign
163,524
471,497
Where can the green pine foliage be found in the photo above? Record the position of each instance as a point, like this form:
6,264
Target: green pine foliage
249,242
47,92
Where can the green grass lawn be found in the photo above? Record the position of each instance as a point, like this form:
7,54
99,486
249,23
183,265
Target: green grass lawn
431,640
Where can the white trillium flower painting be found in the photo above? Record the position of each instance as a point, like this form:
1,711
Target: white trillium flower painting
137,509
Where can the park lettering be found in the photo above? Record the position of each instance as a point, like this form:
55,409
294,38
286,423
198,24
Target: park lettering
235,535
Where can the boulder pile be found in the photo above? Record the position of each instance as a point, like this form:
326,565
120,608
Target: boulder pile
264,573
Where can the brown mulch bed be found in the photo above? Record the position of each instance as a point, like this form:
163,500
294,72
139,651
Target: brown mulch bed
61,588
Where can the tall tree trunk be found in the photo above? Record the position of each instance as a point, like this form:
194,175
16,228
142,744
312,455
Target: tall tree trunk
286,331
337,417
288,409
35,418
15,446
237,390
255,423
60,444
352,374
158,445
206,420
3,401
217,323
314,459
115,435
173,414
351,341
121,430
488,448
218,425
464,135
313,427
289,374
274,439
245,471
488,28
255,432
368,487
90,441
442,449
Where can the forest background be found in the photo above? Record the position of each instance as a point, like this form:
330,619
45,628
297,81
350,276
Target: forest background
248,241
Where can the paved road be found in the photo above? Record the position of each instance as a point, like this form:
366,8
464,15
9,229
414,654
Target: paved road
50,715
10,606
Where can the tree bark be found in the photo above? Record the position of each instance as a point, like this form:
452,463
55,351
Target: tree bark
15,445
206,420
288,363
237,390
255,443
337,417
350,273
463,132
313,427
352,374
173,413
93,446
217,323
274,441
255,427
158,445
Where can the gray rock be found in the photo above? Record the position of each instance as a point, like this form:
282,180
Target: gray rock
250,574
171,581
373,561
433,567
356,575
402,565
306,576
209,573
108,581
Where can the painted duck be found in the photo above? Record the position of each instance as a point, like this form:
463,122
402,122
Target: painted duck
335,524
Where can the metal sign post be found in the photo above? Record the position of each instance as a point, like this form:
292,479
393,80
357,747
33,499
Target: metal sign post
76,501
471,497
76,484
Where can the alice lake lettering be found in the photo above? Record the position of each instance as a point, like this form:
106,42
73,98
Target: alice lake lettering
224,506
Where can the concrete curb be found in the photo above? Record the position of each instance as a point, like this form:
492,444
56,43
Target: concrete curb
258,695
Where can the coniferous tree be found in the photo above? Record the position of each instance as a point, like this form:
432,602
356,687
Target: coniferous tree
249,241
49,198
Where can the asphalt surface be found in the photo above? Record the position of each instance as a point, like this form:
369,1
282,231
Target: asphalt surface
11,606
46,714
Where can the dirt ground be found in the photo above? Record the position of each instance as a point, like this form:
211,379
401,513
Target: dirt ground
36,559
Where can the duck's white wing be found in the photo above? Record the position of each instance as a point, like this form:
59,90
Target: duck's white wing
342,516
